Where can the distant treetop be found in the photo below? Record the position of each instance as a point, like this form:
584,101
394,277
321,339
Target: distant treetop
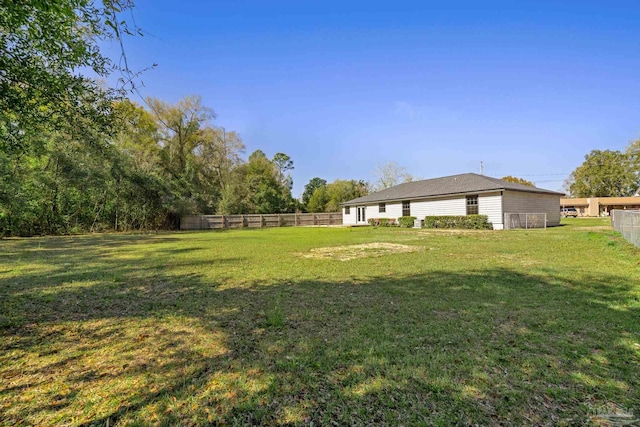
517,180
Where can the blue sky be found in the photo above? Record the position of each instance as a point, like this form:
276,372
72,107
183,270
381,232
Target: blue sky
528,88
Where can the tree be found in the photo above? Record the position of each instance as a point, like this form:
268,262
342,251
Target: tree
603,174
137,134
228,148
318,200
257,187
517,180
390,174
43,44
181,130
214,160
235,195
634,148
72,159
310,188
263,185
196,155
144,174
633,151
63,184
340,191
283,165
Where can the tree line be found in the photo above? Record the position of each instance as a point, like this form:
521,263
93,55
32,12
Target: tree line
153,165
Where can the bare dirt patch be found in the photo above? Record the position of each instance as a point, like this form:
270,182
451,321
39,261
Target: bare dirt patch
366,250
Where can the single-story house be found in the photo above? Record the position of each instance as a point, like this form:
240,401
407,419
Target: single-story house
600,206
464,194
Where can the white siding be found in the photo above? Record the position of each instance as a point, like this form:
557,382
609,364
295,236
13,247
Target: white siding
351,218
439,206
521,202
393,210
371,212
490,204
494,205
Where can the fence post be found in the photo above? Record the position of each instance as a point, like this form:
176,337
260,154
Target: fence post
526,221
261,221
295,218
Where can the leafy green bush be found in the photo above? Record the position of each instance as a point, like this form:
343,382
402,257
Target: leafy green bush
406,221
382,222
475,222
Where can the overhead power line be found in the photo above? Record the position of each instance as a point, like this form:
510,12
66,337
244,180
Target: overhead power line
549,180
545,174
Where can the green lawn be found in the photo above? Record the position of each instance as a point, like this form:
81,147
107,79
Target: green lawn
247,327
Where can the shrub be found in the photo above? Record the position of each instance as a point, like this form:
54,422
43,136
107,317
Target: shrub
382,222
406,221
475,222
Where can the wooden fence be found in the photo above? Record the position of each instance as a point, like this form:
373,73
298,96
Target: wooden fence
209,222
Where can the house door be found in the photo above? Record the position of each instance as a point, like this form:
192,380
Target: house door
360,211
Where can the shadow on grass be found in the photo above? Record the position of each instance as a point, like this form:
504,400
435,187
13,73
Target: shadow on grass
492,347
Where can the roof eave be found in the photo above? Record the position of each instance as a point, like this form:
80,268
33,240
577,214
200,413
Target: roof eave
423,197
534,191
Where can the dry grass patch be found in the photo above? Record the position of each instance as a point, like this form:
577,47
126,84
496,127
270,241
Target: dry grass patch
593,228
365,250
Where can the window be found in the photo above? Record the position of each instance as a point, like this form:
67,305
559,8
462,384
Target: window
406,208
472,205
347,210
382,207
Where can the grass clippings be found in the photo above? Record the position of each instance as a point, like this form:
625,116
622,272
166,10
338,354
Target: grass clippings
364,250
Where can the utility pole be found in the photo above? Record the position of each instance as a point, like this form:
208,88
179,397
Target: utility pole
481,168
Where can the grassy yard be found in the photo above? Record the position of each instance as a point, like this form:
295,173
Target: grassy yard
321,326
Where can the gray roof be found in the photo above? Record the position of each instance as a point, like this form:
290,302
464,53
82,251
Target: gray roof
448,185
